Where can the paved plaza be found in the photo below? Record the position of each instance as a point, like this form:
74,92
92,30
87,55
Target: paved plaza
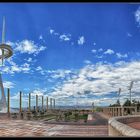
23,128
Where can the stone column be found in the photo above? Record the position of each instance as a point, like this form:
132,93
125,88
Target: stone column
29,102
47,103
8,107
50,103
135,110
42,103
36,103
20,102
54,103
119,111
122,110
113,111
109,111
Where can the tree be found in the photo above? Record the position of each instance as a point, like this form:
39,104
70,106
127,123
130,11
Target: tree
127,103
134,102
118,103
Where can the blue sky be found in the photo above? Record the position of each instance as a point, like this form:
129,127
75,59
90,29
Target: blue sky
81,51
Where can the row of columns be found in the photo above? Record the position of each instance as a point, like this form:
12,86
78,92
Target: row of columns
117,111
52,102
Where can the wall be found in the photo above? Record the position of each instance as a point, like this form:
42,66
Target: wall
118,126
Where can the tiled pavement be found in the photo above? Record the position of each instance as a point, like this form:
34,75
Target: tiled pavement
23,128
135,125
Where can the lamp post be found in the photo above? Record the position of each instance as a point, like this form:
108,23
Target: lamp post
119,94
130,88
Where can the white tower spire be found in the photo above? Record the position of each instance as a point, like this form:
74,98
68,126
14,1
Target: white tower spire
3,31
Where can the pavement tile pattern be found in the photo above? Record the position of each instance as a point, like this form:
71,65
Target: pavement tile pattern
24,128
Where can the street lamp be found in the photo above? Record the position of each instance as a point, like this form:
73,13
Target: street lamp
130,88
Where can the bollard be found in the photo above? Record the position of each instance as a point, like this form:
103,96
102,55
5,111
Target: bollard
8,108
29,102
36,103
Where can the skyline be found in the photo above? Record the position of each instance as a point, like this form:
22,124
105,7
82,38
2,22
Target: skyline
57,52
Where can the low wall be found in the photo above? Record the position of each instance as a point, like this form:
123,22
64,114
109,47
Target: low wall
118,126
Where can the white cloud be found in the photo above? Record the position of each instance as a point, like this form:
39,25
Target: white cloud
25,68
39,68
51,31
87,62
99,56
28,46
29,59
129,35
93,51
94,44
64,37
100,50
119,55
81,40
8,84
57,34
40,37
60,73
101,80
137,15
15,68
109,51
37,92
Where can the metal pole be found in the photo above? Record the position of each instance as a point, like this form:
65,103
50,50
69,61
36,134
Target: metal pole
36,103
131,85
20,103
8,108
